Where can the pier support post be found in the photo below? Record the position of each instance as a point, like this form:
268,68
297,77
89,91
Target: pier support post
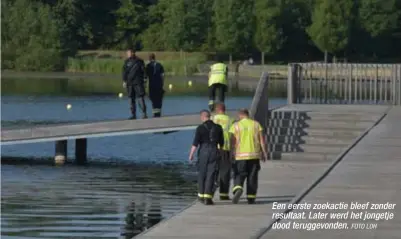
292,85
61,152
80,150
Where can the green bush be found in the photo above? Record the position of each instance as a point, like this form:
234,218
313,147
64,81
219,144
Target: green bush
114,65
30,37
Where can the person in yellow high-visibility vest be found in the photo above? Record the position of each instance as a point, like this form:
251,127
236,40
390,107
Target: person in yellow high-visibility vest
226,162
217,83
248,144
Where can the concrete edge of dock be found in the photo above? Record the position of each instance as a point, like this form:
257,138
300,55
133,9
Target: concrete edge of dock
313,184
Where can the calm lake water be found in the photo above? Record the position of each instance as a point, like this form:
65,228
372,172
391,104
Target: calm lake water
131,182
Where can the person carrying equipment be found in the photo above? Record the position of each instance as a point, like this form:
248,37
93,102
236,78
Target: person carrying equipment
225,162
133,75
208,137
248,143
155,74
217,83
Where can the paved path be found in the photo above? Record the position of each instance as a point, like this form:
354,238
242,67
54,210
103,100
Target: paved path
279,181
370,172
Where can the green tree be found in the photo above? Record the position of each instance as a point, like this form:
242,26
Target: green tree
233,20
269,33
184,25
69,19
130,20
30,37
380,19
331,25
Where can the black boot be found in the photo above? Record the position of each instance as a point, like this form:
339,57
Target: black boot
201,200
224,198
209,201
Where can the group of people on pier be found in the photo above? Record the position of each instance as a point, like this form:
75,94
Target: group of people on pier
225,146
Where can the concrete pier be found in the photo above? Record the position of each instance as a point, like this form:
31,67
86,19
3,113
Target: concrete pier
80,150
284,180
61,152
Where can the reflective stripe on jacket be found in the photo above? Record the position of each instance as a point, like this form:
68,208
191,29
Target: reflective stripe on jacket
246,133
218,74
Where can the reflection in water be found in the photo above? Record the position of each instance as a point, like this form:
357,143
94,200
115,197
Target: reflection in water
96,201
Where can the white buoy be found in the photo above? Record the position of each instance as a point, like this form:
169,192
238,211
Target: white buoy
120,95
170,86
69,106
189,83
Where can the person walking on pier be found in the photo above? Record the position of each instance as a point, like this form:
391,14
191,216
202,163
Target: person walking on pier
133,74
155,74
225,162
217,83
208,137
248,142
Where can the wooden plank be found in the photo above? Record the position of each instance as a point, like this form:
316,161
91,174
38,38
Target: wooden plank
279,181
369,173
101,129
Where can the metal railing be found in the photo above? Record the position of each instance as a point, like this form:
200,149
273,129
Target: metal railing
260,103
344,83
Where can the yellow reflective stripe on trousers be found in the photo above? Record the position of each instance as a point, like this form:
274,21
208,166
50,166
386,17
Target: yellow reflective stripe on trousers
251,196
207,196
201,195
211,102
236,187
218,72
247,155
156,110
224,194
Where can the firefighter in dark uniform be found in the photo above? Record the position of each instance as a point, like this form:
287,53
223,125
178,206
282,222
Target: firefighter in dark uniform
134,82
208,136
155,74
217,83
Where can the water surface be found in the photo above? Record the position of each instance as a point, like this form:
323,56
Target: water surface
131,182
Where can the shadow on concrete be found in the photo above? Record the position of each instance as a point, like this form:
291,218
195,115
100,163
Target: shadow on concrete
259,200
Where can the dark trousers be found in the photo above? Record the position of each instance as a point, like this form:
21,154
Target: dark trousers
218,90
249,170
136,92
156,97
207,171
225,166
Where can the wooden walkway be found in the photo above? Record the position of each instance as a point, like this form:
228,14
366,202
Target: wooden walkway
370,172
279,181
100,129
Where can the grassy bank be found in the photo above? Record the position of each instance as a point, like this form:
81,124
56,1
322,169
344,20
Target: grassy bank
175,63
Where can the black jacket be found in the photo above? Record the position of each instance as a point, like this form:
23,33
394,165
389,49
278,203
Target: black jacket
155,74
202,134
133,71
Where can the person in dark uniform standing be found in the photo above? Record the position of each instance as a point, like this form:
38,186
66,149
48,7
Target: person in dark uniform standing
134,81
155,74
208,136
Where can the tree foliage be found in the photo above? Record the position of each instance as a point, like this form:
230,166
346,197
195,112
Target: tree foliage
331,24
41,34
29,40
269,35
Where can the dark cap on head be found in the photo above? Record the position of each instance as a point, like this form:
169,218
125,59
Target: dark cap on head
243,111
